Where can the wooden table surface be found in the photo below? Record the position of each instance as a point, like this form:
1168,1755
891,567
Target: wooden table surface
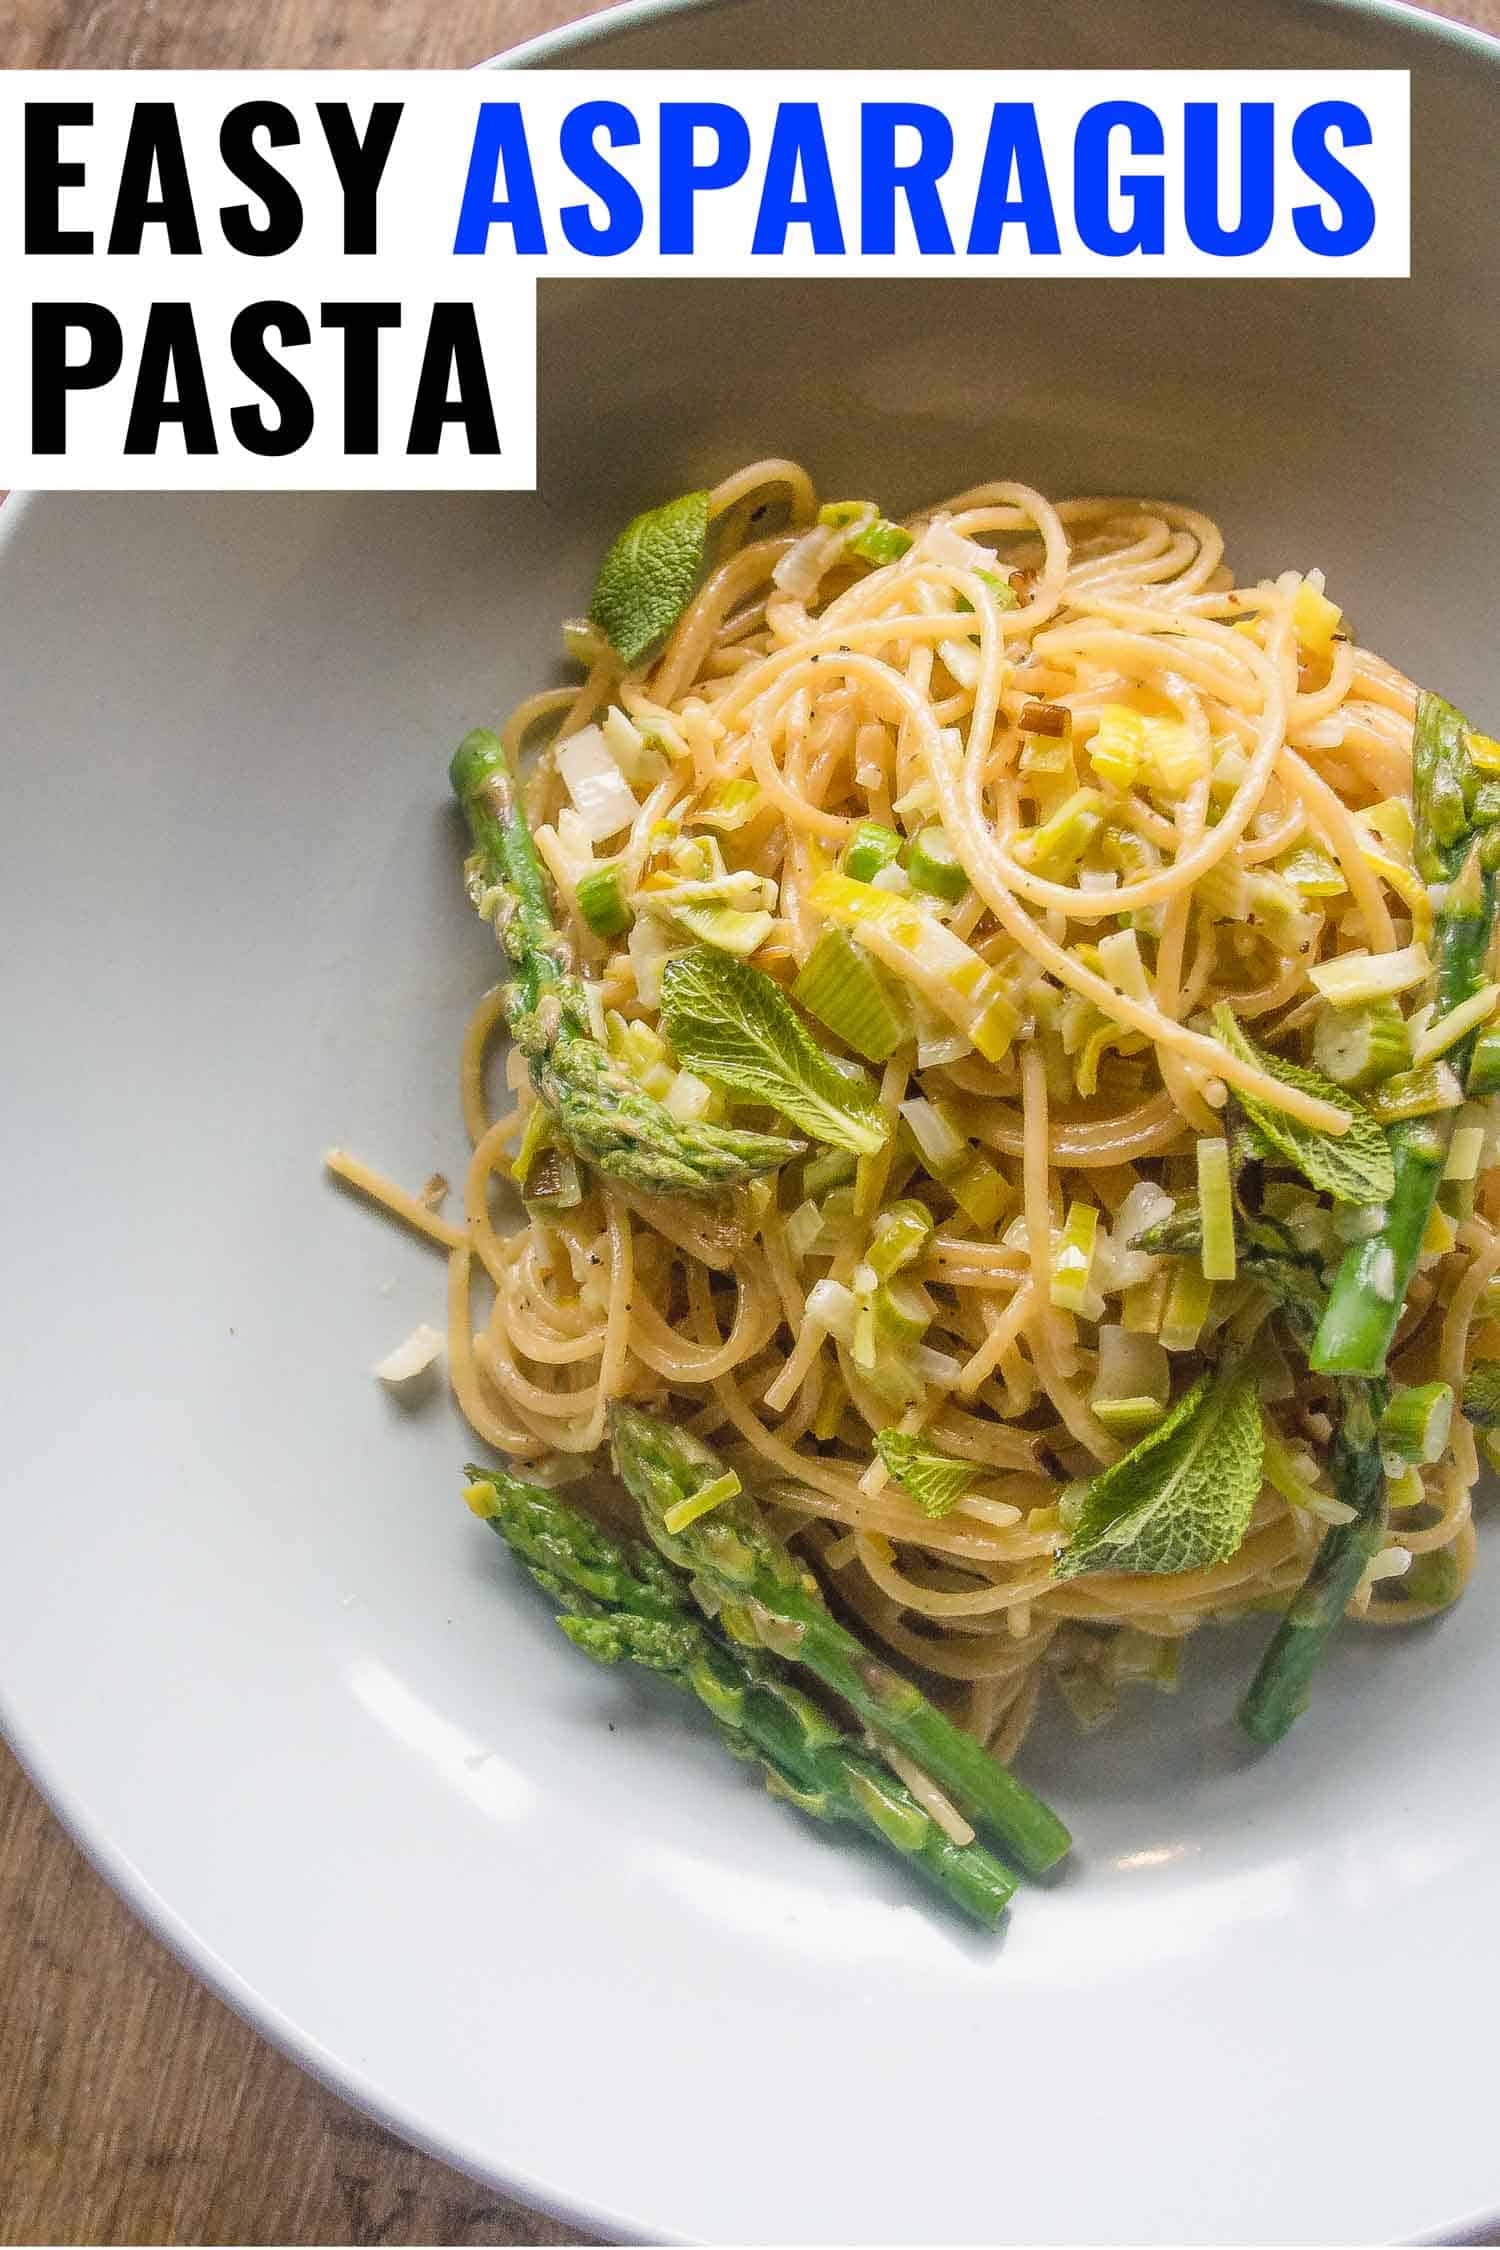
134,2107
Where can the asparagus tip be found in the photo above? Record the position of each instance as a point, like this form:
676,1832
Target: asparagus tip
476,758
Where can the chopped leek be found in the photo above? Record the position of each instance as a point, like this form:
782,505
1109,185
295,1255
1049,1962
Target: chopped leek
1118,746
1484,1064
1350,979
601,795
554,1179
847,992
803,1227
1216,1209
924,952
1358,1047
690,1097
683,1512
728,929
1415,1424
835,1168
728,805
1312,872
1130,1366
1392,819
1465,1153
601,901
903,1311
544,1168
1128,745
1143,1305
1416,1093
1445,1031
1120,960
1073,1259
1224,893
900,1236
1128,1417
1061,841
843,515
1440,1234
880,542
1315,619
1189,1295
870,848
934,866
979,1190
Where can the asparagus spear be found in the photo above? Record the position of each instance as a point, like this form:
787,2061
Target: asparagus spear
630,1605
1279,1691
603,1114
771,1600
1451,847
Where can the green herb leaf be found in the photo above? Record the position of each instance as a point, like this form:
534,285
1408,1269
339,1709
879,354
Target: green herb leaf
1181,1499
647,579
1482,1394
935,1480
730,1023
1353,1168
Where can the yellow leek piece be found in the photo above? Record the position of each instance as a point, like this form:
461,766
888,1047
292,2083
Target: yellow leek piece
1128,1417
711,1495
1315,619
1446,1031
1188,1298
1143,1304
1352,978
926,954
1073,1258
1441,1234
1392,819
1118,748
1216,1210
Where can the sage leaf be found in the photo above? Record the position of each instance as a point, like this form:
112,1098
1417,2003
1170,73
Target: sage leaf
649,576
1181,1499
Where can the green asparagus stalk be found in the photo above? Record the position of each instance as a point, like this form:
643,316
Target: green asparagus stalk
631,1606
601,1111
1452,847
772,1601
1278,1693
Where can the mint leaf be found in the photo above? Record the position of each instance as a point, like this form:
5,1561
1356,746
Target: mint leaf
732,1024
1181,1499
1354,1167
647,579
935,1480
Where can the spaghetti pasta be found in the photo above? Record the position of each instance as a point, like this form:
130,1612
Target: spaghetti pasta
1163,791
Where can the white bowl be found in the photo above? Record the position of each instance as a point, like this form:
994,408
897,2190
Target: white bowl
285,1691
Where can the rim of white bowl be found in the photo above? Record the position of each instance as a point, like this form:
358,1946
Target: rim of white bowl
254,2007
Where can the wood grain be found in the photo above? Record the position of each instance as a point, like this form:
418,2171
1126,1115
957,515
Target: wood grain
134,2107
